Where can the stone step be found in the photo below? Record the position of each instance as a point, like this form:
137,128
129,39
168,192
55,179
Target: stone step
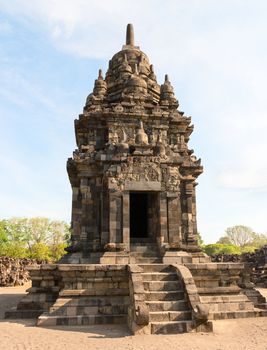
143,248
47,320
148,254
85,310
231,307
237,314
172,305
142,241
218,290
162,285
22,314
165,316
91,301
143,260
164,295
261,306
94,292
173,327
159,276
223,298
156,268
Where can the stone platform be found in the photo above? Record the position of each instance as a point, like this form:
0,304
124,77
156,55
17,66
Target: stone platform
151,298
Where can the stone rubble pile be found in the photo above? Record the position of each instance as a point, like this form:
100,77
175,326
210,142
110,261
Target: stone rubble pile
255,262
13,271
226,258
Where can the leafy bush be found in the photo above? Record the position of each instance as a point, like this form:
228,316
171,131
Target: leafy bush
218,248
13,250
39,251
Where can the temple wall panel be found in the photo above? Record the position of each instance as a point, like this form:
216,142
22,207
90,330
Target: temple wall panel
174,219
115,217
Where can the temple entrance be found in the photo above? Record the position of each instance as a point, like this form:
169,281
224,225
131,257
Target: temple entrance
138,215
144,216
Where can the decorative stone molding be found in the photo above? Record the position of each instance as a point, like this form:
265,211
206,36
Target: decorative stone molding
138,312
200,311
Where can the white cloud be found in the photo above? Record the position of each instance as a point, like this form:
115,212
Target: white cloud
245,178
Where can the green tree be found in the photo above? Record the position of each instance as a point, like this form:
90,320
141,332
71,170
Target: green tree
243,236
240,235
259,240
17,230
38,237
38,229
59,232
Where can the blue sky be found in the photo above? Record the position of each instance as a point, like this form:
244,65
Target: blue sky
215,54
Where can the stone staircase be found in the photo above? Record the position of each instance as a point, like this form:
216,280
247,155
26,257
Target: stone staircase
169,311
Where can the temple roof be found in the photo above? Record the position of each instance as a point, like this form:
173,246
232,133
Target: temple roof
130,77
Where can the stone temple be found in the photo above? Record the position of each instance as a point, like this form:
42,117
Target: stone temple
133,177
134,256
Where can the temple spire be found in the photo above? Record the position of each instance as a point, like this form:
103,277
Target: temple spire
130,35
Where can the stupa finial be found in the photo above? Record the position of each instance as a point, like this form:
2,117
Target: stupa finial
100,75
130,35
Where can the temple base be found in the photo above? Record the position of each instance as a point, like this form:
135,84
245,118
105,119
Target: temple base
151,297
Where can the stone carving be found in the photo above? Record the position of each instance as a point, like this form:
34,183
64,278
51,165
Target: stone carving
133,171
141,136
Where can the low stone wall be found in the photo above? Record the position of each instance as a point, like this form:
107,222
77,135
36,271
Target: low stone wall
13,272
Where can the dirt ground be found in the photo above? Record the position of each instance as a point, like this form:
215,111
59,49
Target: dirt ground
245,334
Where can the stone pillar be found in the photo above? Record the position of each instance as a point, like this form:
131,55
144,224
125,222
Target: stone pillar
104,217
126,220
115,217
163,229
189,191
76,214
194,213
86,207
174,217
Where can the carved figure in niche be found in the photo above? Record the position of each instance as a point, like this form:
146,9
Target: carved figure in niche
141,137
152,173
160,149
118,108
123,145
127,133
113,137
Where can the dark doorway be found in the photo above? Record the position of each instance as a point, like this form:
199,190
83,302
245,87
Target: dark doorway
138,215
